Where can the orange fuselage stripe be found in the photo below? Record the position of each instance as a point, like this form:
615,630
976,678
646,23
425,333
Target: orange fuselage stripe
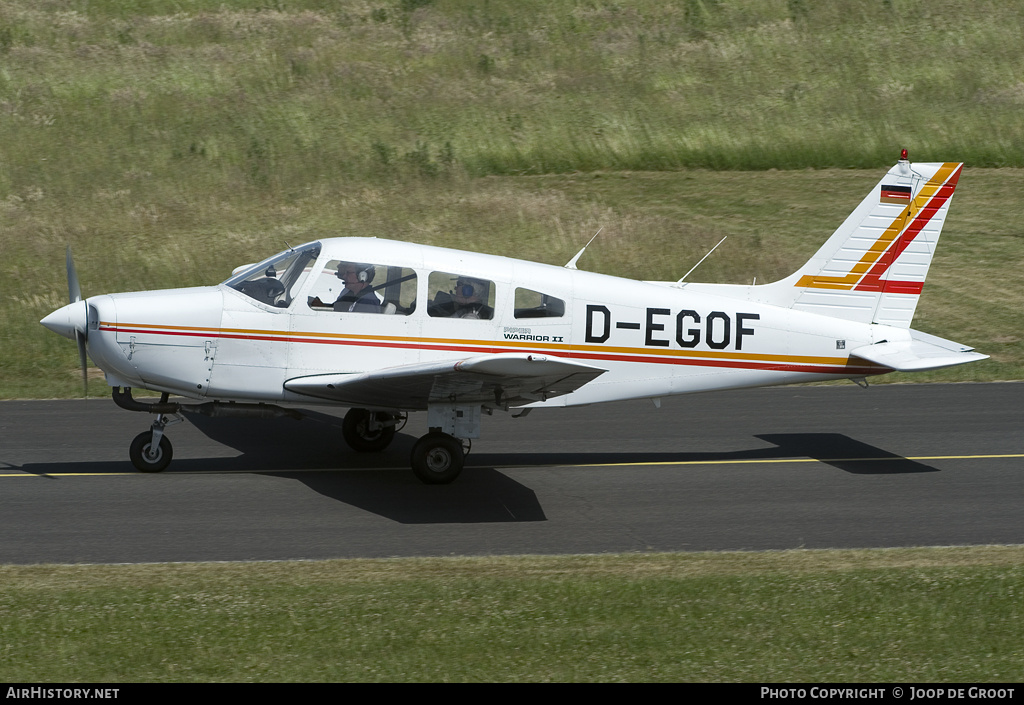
488,346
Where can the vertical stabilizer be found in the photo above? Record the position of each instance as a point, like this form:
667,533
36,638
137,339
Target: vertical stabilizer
873,267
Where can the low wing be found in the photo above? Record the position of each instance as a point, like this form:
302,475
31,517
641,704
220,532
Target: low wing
507,379
921,352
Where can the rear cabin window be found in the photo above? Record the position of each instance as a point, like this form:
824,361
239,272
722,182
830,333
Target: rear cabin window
534,304
361,287
459,296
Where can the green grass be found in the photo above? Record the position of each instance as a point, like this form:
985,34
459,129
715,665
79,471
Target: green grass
275,97
899,615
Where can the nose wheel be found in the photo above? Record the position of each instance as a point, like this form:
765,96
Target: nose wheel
437,458
151,451
148,456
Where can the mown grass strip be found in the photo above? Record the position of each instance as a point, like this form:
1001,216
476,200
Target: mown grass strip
937,615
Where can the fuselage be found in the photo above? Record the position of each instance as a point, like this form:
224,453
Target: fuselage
285,318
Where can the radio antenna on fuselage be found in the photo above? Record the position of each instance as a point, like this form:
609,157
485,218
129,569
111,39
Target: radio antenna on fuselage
571,264
701,260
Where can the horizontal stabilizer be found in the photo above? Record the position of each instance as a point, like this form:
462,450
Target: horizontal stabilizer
921,352
505,379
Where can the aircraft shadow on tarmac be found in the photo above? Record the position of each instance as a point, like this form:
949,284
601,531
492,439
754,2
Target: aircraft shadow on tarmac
844,453
833,449
381,483
284,444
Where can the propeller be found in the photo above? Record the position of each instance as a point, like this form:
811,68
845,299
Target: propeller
72,321
81,334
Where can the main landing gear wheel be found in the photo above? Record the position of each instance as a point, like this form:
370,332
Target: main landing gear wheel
356,430
145,457
437,458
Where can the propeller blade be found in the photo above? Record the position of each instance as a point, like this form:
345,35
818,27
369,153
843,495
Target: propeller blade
80,339
75,295
74,291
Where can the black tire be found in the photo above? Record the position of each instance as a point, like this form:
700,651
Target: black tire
437,458
355,429
140,447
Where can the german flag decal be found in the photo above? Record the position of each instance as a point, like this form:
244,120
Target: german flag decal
897,195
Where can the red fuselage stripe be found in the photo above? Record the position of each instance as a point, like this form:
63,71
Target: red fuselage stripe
639,357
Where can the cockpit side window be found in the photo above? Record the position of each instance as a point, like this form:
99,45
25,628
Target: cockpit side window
533,304
275,281
361,287
459,296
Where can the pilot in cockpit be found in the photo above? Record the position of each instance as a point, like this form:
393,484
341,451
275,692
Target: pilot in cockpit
358,294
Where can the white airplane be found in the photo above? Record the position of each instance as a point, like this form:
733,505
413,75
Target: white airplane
386,327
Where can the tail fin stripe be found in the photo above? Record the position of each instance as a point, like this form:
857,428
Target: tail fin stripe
872,281
872,264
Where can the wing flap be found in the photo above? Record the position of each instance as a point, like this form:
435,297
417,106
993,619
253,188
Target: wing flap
506,379
921,352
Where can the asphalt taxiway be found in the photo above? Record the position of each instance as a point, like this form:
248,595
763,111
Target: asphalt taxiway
812,467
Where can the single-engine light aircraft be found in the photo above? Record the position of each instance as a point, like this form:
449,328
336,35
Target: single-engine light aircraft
385,328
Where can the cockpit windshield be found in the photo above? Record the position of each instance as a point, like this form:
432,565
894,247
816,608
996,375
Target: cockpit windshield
276,280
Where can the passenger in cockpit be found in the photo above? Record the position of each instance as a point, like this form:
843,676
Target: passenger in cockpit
468,297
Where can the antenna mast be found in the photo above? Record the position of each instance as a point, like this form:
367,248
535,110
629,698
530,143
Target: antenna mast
571,264
701,260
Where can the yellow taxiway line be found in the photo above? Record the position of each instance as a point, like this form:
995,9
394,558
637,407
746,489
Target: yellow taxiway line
645,463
